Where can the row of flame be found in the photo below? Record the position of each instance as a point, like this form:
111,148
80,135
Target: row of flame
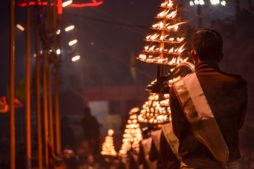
164,38
167,27
159,60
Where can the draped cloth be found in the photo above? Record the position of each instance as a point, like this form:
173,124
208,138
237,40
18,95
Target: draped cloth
199,114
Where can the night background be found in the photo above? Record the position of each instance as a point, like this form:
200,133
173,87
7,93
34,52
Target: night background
110,37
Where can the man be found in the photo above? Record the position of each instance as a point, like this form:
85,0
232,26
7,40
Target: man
91,130
208,108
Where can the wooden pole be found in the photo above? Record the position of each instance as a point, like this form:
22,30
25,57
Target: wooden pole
51,117
57,111
12,85
28,87
57,84
45,105
38,99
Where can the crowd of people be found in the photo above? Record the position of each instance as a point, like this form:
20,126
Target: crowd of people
83,159
86,154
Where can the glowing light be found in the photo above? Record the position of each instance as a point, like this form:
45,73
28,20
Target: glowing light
66,3
73,42
163,14
75,58
159,25
58,32
168,4
172,15
201,2
197,2
156,109
223,3
132,133
110,132
20,27
58,51
108,147
215,2
69,28
165,45
93,3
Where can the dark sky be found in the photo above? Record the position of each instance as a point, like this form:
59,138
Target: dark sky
110,37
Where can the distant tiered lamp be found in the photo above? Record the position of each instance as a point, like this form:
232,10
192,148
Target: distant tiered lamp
132,133
108,148
156,109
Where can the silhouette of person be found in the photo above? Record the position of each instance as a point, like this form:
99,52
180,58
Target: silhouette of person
91,130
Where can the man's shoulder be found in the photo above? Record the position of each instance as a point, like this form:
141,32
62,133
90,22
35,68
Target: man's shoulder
235,79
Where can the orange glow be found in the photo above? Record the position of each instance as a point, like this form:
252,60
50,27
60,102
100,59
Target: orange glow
156,109
132,133
93,3
59,7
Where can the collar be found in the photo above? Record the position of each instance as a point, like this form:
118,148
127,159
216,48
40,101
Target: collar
206,67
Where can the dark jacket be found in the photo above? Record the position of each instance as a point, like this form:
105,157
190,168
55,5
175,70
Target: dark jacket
227,97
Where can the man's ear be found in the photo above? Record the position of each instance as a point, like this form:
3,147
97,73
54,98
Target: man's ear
194,56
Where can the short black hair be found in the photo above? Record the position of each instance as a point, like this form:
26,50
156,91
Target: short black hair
208,44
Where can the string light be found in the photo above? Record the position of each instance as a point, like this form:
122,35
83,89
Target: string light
212,2
73,42
75,58
69,28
